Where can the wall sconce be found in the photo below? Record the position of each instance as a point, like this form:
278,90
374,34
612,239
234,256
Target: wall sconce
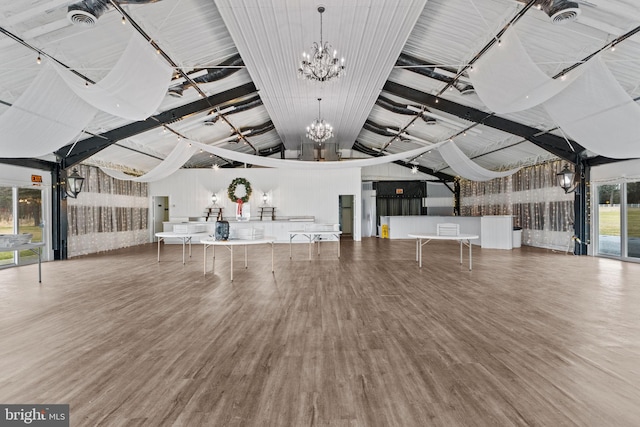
74,184
214,199
265,198
565,179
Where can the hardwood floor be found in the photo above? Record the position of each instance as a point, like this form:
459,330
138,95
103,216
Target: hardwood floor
529,337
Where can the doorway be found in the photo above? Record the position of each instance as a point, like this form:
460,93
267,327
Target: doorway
160,214
345,206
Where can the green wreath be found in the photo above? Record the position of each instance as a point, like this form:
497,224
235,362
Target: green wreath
231,191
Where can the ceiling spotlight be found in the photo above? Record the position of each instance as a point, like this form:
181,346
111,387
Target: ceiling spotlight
38,59
124,21
414,169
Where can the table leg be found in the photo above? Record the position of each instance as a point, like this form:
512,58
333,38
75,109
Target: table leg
39,265
231,266
189,247
290,239
245,256
184,243
460,251
417,248
338,236
310,243
272,269
420,241
470,256
205,259
159,240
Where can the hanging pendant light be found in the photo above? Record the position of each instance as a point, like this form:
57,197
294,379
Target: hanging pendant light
321,65
319,131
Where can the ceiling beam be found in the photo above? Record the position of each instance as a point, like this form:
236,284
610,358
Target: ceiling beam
29,163
71,155
552,143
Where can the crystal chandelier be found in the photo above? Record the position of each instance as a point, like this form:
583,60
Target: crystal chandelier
319,131
321,65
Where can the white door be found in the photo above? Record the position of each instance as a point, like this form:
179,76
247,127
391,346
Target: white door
160,213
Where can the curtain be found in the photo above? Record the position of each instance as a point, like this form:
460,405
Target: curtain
108,214
467,168
533,197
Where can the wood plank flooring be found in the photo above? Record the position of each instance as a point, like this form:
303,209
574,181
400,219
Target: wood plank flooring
529,337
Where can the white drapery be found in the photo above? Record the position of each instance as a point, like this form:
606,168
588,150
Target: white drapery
467,168
57,105
598,113
135,86
299,164
44,118
174,161
185,149
507,80
588,103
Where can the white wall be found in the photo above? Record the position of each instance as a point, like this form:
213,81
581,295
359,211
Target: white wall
294,193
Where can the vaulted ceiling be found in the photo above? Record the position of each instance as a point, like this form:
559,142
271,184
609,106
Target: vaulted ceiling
245,54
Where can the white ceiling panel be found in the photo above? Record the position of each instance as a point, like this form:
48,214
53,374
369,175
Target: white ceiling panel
271,36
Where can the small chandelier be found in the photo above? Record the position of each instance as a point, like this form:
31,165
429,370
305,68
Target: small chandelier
319,131
321,65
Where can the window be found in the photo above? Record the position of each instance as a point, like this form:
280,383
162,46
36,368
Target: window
618,220
609,219
6,221
20,212
633,219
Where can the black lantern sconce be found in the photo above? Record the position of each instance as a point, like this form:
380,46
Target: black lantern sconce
74,184
565,179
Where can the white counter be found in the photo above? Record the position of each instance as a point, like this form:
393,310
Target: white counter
495,231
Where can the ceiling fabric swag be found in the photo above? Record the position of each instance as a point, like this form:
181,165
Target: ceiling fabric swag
311,165
174,161
135,86
598,113
467,168
507,80
46,117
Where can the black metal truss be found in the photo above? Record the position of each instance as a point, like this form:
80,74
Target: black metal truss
70,155
552,143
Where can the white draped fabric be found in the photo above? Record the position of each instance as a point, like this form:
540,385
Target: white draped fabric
598,113
58,105
44,118
174,161
299,164
507,80
185,149
467,168
135,86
